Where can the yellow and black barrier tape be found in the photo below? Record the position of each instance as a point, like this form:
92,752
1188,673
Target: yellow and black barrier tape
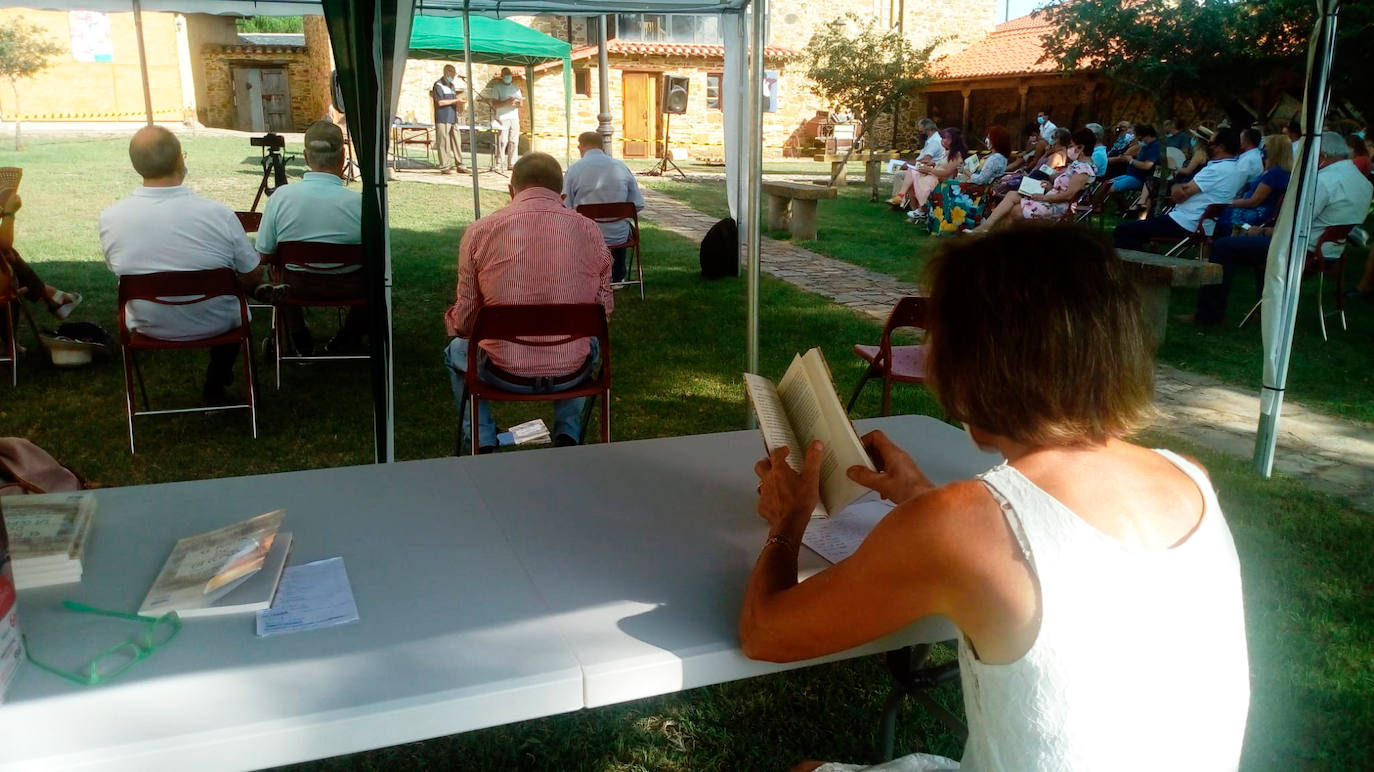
96,116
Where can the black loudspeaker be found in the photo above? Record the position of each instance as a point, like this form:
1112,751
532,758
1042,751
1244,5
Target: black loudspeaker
675,94
336,91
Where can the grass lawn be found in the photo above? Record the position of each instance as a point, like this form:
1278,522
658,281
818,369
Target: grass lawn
1333,376
678,355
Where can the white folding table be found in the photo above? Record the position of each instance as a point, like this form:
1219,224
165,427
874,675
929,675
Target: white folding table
641,550
491,589
451,636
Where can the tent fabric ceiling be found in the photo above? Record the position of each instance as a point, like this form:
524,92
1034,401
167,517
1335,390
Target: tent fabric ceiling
494,41
427,7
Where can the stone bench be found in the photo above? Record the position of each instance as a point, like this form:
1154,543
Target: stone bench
792,206
1158,274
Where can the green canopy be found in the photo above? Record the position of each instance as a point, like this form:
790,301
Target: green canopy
494,41
497,41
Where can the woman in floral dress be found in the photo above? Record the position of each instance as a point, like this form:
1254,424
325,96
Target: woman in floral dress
1060,194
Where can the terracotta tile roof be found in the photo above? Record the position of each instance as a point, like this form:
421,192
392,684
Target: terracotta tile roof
619,47
1012,48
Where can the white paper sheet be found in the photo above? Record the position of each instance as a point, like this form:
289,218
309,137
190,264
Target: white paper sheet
838,536
310,597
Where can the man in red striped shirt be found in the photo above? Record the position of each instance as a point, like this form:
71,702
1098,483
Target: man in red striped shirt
533,251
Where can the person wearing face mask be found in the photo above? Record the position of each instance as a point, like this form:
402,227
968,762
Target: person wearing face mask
165,226
448,101
1059,195
1140,166
505,97
1047,126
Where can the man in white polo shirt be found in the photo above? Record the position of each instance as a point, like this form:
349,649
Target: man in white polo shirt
600,179
1217,183
1251,158
318,208
164,226
503,94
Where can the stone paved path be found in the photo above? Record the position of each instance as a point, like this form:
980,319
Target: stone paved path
1330,454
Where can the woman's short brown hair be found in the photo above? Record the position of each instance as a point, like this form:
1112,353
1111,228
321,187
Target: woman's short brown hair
1036,334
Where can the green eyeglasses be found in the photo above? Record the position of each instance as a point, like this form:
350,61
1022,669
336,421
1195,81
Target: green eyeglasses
156,632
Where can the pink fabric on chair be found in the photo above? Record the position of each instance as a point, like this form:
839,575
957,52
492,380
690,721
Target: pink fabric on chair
908,362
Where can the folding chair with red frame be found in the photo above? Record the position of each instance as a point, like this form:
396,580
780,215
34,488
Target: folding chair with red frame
902,364
1197,238
249,220
541,326
1094,204
609,213
1322,266
325,263
182,288
11,305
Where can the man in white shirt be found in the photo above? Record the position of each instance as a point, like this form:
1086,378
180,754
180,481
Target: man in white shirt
1251,159
1047,126
318,208
164,226
1343,196
1217,183
504,96
932,152
600,179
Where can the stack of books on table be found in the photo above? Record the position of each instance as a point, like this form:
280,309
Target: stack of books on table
48,535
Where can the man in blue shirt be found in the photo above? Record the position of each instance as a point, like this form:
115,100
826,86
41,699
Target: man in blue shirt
448,101
600,179
318,208
1142,165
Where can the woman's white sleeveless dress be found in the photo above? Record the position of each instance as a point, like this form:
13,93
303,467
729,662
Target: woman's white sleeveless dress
1140,662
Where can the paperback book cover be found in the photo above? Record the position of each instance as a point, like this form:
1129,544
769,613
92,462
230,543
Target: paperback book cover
207,566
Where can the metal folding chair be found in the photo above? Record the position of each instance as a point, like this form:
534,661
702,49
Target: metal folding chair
1319,264
902,364
616,212
540,326
325,263
182,288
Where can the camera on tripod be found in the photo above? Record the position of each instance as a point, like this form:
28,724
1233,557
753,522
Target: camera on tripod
273,164
270,140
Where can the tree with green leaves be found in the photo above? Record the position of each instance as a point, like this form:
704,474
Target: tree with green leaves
862,70
1209,49
271,24
24,52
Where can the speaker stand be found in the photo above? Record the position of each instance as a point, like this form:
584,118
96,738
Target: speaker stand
666,159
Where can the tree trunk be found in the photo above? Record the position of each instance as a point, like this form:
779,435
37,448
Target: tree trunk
18,117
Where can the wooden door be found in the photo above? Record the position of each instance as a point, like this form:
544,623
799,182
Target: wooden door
640,113
248,99
276,101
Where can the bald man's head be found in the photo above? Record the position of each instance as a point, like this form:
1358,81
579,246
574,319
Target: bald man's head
536,170
156,153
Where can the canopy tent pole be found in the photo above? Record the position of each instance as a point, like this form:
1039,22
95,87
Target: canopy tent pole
366,36
472,115
529,100
143,60
754,145
1292,234
603,77
567,110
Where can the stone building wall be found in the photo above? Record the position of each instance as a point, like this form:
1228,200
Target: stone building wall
319,62
204,29
301,74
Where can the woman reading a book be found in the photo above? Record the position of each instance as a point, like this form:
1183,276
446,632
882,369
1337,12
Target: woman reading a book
1075,570
1057,196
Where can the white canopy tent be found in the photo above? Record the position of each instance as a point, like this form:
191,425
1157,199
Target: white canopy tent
1290,245
370,40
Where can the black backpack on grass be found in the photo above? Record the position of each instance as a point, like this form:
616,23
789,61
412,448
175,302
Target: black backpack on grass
720,250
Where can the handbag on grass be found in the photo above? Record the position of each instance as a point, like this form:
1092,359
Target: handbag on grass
27,468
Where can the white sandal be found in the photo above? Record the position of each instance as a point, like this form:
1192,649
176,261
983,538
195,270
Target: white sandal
68,304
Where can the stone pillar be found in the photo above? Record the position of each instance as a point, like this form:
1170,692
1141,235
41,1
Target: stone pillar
837,174
779,213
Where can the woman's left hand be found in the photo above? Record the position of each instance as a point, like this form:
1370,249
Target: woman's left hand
787,499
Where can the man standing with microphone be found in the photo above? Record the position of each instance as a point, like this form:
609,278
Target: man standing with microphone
448,100
505,98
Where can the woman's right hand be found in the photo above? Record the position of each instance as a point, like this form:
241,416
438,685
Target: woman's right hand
897,478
